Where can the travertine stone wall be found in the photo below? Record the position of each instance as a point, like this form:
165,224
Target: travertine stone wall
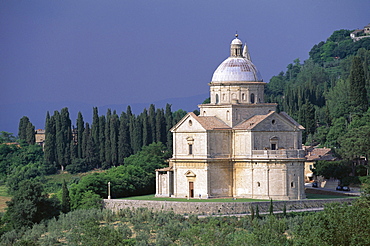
211,208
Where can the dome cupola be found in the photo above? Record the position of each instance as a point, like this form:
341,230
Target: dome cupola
238,67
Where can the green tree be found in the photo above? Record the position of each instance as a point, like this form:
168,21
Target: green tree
169,119
357,93
6,137
29,205
66,200
123,139
80,130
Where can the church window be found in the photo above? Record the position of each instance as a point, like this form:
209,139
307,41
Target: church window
217,99
273,121
292,184
190,123
273,146
190,149
258,184
252,98
243,96
228,115
274,143
204,113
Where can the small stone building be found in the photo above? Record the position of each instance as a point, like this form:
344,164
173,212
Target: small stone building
238,146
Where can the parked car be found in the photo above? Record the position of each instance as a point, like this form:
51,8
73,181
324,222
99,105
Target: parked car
315,184
346,188
339,187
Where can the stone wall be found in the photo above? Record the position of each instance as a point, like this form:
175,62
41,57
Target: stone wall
211,208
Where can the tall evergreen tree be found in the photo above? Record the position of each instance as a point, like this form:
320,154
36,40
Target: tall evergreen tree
22,128
95,126
80,130
66,200
102,123
136,134
114,129
161,135
152,124
30,134
124,149
108,156
144,120
169,119
357,93
50,140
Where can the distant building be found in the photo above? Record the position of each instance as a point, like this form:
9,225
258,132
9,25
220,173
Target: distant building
40,137
314,154
238,146
358,34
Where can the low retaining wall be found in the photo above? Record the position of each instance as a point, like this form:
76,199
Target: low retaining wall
211,208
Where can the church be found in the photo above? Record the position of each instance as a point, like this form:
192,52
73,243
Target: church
238,146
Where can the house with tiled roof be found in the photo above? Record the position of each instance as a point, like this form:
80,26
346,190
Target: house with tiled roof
238,146
314,154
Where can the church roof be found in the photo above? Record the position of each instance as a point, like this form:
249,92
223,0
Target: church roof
212,123
256,119
238,67
291,120
252,122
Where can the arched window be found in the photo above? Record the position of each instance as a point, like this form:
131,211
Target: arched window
252,98
243,96
217,99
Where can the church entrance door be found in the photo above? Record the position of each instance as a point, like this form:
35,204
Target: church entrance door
191,189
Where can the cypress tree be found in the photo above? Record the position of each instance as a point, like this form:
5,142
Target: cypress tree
284,210
30,134
357,93
136,134
271,209
66,200
257,212
161,135
90,154
252,213
169,119
152,124
102,124
114,128
108,156
145,123
95,127
124,149
22,128
50,138
80,130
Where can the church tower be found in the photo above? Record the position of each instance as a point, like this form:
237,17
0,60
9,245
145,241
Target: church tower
238,146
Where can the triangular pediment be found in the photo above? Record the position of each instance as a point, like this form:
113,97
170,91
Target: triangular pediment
190,174
193,123
270,122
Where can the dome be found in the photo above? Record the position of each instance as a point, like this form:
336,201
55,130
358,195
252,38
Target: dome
237,41
236,69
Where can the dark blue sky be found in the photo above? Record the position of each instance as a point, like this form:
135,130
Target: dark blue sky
98,53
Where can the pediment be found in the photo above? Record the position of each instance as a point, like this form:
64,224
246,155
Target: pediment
190,174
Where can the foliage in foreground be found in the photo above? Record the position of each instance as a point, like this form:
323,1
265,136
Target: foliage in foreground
338,224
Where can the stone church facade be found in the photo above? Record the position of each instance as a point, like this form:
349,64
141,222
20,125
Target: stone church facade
238,146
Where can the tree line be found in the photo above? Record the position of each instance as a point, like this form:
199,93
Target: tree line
106,142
